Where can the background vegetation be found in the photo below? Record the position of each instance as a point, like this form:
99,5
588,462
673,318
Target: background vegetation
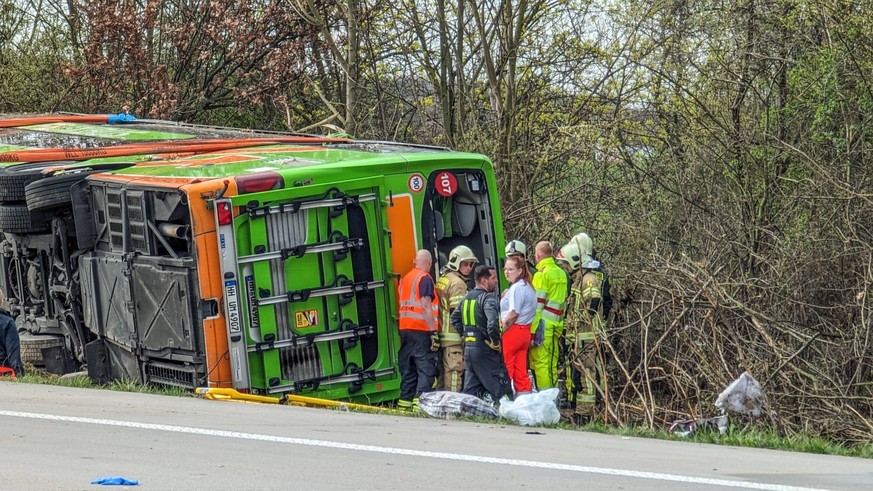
716,151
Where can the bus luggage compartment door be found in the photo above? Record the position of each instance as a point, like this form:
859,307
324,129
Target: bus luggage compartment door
313,292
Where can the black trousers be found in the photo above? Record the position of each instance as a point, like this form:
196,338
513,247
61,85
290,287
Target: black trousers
485,373
418,364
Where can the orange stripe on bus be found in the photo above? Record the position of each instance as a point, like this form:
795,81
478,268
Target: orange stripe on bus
126,150
14,122
404,240
154,181
208,268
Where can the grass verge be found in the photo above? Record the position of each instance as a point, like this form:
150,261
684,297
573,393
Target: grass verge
36,376
743,436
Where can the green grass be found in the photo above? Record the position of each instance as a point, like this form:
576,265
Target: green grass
745,436
739,436
36,376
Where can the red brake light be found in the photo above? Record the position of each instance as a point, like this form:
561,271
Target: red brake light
225,215
262,181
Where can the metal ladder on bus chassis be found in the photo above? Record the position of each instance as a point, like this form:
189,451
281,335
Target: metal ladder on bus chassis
334,249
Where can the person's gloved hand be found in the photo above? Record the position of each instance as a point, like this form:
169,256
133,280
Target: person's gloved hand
495,345
435,341
539,335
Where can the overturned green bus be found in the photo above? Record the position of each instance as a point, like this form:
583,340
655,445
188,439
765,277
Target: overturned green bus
194,256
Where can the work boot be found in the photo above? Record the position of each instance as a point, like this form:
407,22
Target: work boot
580,419
404,405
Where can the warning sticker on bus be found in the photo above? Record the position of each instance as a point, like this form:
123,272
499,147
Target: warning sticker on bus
306,318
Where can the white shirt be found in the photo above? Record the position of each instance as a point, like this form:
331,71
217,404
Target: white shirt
521,298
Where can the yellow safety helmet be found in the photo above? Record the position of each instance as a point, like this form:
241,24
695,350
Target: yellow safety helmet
515,248
460,254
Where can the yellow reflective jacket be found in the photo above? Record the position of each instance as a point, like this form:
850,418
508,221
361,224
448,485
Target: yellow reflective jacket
451,288
550,284
586,287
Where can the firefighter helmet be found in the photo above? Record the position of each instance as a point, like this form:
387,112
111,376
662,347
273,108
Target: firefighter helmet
571,253
515,248
584,242
458,255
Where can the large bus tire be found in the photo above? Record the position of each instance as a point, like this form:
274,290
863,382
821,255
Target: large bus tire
53,192
31,347
15,218
13,179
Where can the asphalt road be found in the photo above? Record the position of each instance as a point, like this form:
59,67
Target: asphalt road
56,438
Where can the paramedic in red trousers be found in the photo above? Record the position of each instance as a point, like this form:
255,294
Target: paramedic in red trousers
10,344
419,338
518,306
477,317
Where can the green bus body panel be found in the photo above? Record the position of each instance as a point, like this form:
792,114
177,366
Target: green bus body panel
7,148
109,131
299,164
275,368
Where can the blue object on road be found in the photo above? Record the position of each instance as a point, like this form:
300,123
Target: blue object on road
115,481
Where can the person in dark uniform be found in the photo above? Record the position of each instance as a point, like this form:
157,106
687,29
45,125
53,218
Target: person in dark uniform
10,344
477,318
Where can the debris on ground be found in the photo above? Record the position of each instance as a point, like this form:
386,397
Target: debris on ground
686,427
532,409
743,396
449,405
115,481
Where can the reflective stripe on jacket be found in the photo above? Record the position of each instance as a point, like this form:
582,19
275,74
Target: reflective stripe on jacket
587,293
478,317
412,314
550,283
451,289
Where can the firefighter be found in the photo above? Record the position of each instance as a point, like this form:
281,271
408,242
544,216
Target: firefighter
10,344
451,288
419,338
478,318
585,323
550,283
586,245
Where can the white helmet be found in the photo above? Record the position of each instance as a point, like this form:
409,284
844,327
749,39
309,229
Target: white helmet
584,242
570,253
458,255
515,248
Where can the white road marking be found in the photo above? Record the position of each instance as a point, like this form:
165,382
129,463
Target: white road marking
657,476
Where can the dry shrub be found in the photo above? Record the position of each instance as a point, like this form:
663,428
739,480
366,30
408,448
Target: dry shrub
686,329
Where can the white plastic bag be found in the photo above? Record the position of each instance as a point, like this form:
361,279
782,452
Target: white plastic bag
532,409
743,396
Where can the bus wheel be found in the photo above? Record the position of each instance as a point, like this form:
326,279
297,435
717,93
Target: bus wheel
53,192
13,179
15,218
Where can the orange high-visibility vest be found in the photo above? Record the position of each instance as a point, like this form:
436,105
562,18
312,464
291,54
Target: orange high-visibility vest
412,314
